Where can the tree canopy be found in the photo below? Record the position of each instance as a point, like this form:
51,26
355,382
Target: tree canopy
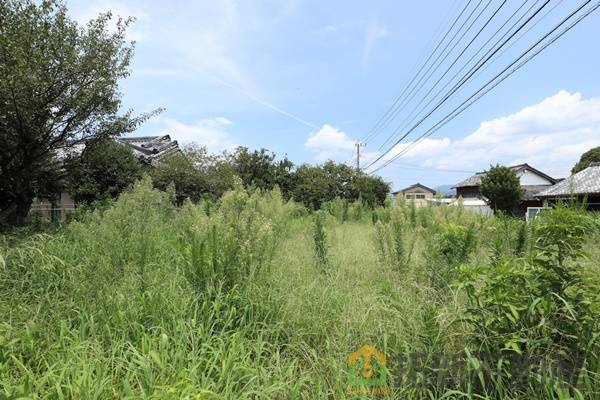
502,189
103,171
196,174
590,156
58,88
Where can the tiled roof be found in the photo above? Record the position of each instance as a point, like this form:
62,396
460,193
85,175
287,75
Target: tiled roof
416,185
531,191
475,180
147,149
150,149
583,182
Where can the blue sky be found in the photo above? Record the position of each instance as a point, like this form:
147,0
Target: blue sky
309,78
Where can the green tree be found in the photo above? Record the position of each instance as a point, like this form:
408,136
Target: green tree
315,185
194,173
260,169
371,189
590,156
502,189
177,169
103,171
216,172
58,88
255,168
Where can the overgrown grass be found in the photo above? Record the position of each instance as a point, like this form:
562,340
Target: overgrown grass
225,300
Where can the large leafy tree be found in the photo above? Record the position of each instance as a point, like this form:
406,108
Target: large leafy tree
502,189
260,169
590,156
194,173
315,185
104,170
58,89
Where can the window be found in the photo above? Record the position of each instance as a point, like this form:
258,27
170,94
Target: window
410,196
420,196
532,212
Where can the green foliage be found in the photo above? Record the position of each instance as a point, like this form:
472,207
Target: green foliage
194,174
508,239
126,303
455,243
590,156
392,247
449,248
103,171
320,242
537,309
259,169
59,87
502,188
315,185
144,299
231,245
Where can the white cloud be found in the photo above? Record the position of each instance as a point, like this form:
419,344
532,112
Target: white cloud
374,32
329,143
549,135
209,132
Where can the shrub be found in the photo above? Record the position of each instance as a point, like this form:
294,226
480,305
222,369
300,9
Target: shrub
392,248
320,241
537,309
450,247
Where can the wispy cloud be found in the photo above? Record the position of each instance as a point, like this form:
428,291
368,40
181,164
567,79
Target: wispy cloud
374,31
264,102
331,28
209,132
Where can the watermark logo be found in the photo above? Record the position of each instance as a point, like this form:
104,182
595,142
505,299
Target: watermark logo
367,372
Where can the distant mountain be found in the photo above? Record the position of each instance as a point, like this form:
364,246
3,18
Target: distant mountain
446,190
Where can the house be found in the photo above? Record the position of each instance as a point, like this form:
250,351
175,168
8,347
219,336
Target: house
147,149
419,194
583,185
533,181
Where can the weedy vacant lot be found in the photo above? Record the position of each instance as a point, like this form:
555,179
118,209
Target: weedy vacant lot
256,298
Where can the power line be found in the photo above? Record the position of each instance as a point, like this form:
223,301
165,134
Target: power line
511,68
448,69
371,133
485,90
437,62
421,168
461,83
406,122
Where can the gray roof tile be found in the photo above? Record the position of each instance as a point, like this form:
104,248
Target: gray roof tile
583,182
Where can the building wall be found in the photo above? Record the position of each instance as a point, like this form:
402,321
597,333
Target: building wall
529,178
468,192
418,196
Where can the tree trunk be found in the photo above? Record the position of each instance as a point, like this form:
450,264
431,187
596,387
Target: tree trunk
15,213
22,209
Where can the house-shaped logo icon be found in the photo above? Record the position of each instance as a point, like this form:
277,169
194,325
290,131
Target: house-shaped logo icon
366,368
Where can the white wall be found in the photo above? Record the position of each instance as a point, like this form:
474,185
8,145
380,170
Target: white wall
530,178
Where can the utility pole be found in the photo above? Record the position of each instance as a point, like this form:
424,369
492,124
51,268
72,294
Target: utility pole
358,146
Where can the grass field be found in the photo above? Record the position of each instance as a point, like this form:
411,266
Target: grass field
252,298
